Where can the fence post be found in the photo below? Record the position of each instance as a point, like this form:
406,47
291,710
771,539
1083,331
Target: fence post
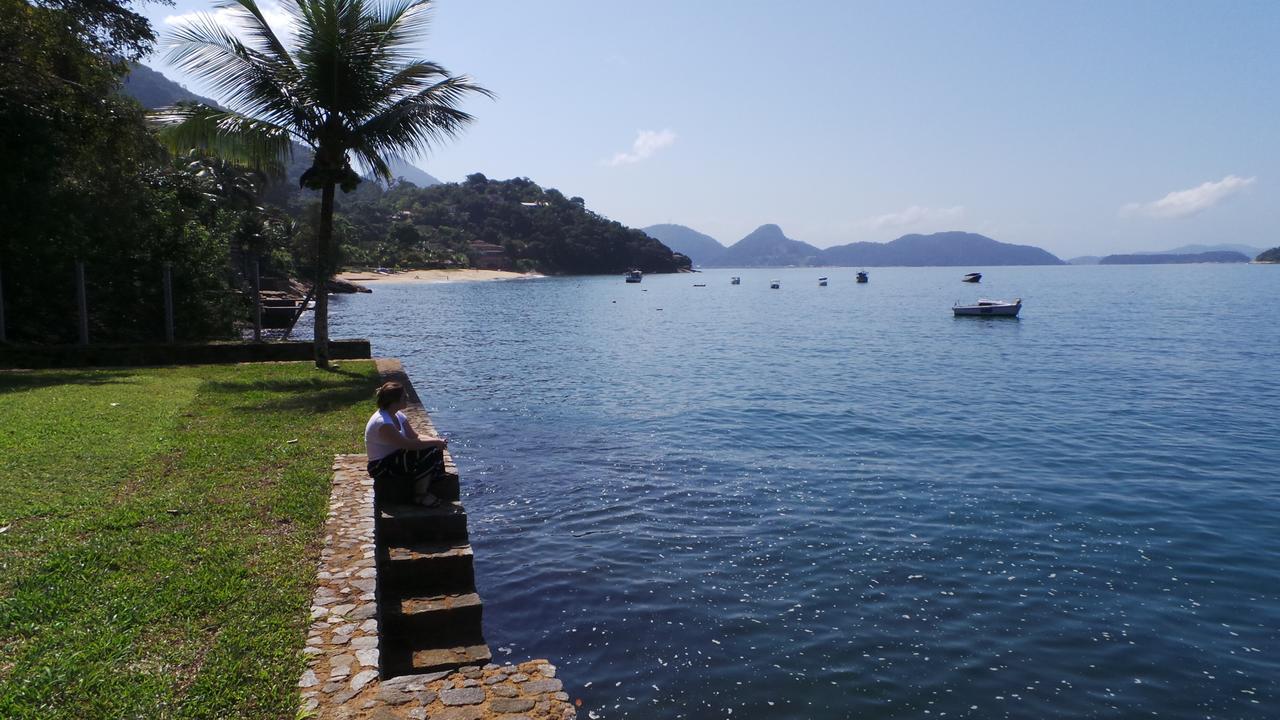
83,302
257,304
168,302
3,338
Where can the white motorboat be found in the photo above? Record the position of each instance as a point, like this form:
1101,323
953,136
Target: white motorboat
735,280
634,276
989,308
972,277
822,282
774,284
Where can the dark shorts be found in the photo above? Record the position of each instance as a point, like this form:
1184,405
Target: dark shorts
406,475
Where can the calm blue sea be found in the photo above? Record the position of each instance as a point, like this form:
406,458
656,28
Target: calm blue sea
843,502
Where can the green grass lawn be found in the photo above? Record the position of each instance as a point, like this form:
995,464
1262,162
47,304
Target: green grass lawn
161,528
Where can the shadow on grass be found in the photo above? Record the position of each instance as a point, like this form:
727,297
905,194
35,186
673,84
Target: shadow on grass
317,399
322,393
19,380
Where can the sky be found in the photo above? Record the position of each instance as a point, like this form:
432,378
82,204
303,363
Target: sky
1085,128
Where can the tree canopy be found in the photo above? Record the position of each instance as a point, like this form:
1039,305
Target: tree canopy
84,179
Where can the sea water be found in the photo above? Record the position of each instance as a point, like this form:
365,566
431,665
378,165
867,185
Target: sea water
844,502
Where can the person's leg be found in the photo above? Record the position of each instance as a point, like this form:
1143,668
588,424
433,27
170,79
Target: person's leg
429,468
392,480
424,466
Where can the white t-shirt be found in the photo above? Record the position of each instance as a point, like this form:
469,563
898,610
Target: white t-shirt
373,446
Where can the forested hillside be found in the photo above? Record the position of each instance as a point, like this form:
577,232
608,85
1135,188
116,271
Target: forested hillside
515,224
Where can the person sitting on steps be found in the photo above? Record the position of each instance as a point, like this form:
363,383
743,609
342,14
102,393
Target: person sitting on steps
399,458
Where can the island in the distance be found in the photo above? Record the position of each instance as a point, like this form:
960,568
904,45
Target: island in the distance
1223,256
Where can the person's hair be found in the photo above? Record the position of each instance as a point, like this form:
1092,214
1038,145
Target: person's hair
389,394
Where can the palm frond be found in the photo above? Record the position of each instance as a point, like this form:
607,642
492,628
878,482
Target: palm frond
401,23
229,135
417,122
246,80
260,30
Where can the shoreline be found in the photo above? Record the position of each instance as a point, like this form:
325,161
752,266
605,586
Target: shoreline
434,276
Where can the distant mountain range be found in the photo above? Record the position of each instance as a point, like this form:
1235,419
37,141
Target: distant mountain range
153,90
1248,250
768,246
702,249
1225,256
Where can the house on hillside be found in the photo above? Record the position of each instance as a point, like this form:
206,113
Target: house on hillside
488,256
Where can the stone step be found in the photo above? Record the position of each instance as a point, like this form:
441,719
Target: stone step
438,567
436,659
434,621
446,487
413,523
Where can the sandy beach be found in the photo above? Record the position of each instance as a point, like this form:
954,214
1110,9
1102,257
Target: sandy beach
432,276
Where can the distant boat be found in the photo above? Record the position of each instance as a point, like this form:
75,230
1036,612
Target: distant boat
774,284
634,276
735,280
822,282
699,284
972,277
862,276
989,308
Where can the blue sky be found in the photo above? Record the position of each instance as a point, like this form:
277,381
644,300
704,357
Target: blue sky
1083,128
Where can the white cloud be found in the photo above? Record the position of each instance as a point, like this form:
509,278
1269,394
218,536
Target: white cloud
1181,203
277,17
915,215
646,144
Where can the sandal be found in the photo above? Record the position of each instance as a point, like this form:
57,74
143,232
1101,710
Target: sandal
429,501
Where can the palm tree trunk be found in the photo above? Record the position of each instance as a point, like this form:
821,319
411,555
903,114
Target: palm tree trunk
324,263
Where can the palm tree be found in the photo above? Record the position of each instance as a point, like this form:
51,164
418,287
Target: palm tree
346,89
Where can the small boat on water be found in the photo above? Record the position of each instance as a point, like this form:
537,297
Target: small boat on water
972,277
862,276
774,284
634,276
699,284
822,282
989,308
735,280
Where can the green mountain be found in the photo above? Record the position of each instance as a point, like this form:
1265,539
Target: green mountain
1269,256
701,249
766,246
504,224
152,89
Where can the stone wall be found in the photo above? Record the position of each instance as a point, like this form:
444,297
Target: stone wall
394,593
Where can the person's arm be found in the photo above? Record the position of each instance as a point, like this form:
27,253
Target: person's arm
410,432
408,428
388,435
